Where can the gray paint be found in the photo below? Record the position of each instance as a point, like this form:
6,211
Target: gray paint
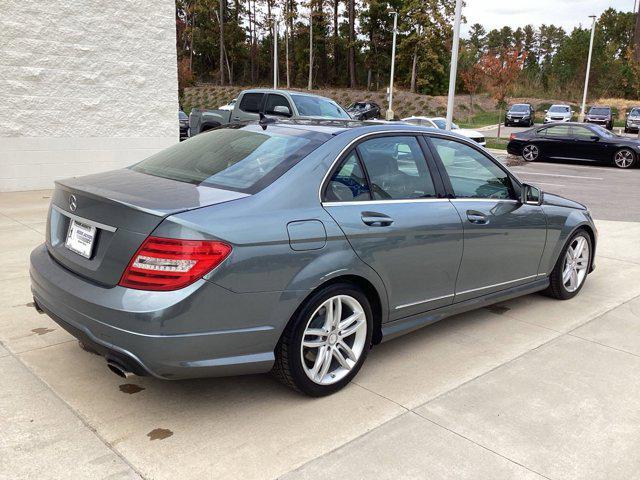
431,262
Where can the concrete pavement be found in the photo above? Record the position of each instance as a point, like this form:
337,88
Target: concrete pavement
530,388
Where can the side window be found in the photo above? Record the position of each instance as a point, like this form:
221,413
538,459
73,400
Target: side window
277,105
348,183
582,133
472,175
397,168
251,102
559,131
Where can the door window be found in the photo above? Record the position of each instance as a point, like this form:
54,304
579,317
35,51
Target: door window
277,105
472,174
348,183
251,102
558,131
397,168
582,133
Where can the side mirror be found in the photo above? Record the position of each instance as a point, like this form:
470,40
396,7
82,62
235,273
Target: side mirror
595,138
546,111
530,195
282,110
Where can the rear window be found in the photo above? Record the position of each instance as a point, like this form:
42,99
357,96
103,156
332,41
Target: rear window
251,102
309,106
244,159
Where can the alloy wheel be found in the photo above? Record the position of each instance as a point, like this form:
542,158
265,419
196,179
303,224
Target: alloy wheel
333,340
576,264
530,153
624,158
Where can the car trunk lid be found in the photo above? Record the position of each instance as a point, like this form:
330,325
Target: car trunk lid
124,207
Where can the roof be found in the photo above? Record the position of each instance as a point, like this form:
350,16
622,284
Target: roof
282,91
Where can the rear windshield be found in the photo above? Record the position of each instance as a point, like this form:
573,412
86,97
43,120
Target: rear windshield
599,111
519,108
240,158
309,106
559,109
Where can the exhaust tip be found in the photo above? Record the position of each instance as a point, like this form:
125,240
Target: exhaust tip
118,370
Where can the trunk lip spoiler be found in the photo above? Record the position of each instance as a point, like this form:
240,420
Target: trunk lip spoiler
80,219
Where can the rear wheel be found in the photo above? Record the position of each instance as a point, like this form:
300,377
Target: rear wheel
624,158
326,341
531,152
570,272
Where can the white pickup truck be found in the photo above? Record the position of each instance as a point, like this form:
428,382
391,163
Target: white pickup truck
280,103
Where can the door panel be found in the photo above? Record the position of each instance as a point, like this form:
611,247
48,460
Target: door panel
586,147
557,142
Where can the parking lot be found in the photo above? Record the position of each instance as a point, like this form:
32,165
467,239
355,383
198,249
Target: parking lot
529,388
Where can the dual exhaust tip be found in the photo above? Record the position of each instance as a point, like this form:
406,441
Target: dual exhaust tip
118,369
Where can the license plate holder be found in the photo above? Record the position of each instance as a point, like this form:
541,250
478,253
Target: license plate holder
80,238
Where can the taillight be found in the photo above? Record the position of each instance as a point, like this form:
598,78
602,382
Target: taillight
170,263
512,136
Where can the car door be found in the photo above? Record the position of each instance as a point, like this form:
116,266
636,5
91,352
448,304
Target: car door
588,144
556,141
278,105
248,107
393,211
503,238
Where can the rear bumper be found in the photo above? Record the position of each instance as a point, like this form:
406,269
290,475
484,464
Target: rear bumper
202,330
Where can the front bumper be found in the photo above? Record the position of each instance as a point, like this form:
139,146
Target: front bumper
203,330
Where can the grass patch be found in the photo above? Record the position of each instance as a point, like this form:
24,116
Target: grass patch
480,119
498,143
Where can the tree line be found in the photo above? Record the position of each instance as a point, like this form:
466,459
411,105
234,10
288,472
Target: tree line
347,43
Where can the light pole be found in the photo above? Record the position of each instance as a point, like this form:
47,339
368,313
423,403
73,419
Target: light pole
310,84
393,65
454,63
275,54
586,80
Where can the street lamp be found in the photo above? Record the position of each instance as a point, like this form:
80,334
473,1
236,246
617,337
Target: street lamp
393,65
586,80
454,63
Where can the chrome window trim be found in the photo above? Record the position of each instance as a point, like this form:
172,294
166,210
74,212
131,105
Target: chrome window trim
484,199
399,133
384,202
86,221
498,284
424,301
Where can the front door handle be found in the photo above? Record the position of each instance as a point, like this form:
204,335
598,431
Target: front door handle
477,217
375,219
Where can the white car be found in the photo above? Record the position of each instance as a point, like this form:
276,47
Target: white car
229,106
441,122
558,113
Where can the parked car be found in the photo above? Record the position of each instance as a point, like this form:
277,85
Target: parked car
229,106
441,123
183,119
520,114
558,113
364,110
265,101
632,123
600,116
295,246
575,141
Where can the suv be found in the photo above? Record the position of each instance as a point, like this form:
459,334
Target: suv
558,113
632,124
519,114
600,116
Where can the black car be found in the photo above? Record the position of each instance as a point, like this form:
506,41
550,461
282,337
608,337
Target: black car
521,114
183,118
632,123
364,110
575,141
600,116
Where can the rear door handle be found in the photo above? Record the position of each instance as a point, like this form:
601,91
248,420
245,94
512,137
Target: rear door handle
375,219
477,217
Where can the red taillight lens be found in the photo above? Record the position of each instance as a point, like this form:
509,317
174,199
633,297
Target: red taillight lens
512,136
170,263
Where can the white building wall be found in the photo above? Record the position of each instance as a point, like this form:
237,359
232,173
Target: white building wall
85,86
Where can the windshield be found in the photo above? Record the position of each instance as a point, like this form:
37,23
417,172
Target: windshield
357,106
559,109
519,108
244,159
441,123
309,106
635,112
182,115
599,111
603,132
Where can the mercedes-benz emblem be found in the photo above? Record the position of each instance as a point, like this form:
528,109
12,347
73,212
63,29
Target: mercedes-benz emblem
73,203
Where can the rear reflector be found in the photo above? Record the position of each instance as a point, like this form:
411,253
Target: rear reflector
170,263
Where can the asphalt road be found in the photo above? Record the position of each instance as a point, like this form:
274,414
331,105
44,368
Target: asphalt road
609,192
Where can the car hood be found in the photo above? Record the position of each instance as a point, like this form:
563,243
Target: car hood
468,133
558,201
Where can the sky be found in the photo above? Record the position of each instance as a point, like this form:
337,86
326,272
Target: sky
518,13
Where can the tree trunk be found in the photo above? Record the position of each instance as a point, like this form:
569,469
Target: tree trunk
221,20
352,39
636,37
369,79
414,69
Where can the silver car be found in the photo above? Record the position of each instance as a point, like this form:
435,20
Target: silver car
558,113
294,247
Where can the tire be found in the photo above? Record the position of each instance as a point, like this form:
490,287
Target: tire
624,158
626,130
295,364
506,124
530,152
559,286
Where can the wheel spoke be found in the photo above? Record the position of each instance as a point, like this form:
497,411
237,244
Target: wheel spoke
574,278
326,364
341,360
314,343
318,332
566,275
337,312
319,362
347,350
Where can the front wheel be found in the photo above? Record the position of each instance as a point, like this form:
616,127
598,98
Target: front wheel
570,272
624,158
530,153
326,342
